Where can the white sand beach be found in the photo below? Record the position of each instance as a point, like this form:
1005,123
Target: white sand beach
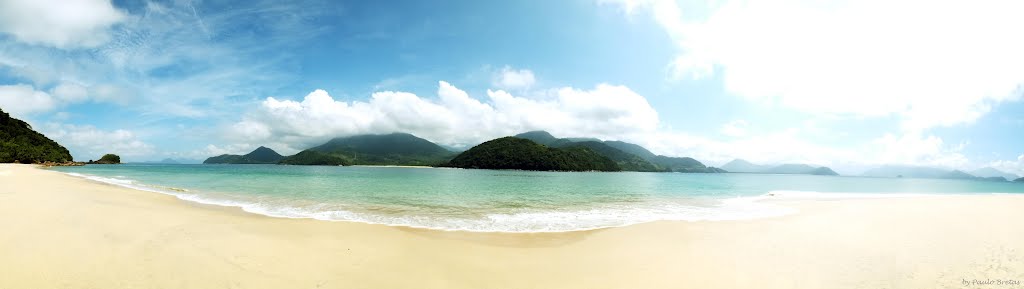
60,231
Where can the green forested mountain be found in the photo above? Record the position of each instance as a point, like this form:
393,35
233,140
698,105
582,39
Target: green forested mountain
260,155
315,158
632,148
523,154
630,157
386,149
1019,180
540,137
18,142
625,161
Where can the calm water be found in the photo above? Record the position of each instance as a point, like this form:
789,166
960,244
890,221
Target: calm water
509,201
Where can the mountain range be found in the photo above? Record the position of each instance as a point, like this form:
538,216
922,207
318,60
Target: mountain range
990,172
743,166
902,171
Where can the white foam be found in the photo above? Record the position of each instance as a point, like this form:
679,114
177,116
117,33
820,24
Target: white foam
522,221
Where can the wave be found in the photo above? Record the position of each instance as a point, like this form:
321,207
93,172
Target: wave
520,220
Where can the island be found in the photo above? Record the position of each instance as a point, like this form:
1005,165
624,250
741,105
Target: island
107,159
629,156
261,155
743,166
902,171
512,153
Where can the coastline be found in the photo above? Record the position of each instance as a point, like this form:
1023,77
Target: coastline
394,166
62,231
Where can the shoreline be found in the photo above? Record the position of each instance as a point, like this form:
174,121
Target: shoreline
80,233
393,166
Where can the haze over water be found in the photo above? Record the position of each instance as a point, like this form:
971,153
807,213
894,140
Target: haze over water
505,201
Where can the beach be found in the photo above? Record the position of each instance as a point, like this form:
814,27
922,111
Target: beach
60,231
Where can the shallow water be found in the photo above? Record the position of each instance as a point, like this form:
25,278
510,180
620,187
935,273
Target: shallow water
503,201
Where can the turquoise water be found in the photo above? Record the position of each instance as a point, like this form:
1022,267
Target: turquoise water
505,201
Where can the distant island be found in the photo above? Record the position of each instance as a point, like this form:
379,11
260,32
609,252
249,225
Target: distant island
535,150
372,149
262,155
993,173
743,166
400,149
1019,180
629,157
525,154
902,171
107,159
20,144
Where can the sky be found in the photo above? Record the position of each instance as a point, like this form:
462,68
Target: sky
846,84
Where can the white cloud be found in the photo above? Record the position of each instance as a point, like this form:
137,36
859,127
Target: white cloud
71,92
941,66
452,118
914,148
607,112
155,64
736,128
509,78
22,99
88,142
59,23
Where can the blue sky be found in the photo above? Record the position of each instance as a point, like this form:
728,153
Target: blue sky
768,81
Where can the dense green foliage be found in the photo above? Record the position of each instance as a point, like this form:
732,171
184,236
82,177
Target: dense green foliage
629,157
625,161
523,154
108,159
633,149
260,155
18,142
386,149
540,137
225,159
315,158
264,155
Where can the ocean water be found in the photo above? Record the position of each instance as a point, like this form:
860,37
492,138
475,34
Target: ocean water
504,201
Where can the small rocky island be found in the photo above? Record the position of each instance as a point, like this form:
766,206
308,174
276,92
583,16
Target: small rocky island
107,159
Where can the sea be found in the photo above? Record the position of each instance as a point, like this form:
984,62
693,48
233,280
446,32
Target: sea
506,200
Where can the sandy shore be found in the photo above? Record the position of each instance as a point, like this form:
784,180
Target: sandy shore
60,231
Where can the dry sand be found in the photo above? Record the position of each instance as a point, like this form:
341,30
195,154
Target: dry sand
58,231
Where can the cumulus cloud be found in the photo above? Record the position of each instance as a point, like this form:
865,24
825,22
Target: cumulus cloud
88,142
452,118
59,23
22,99
942,66
509,78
